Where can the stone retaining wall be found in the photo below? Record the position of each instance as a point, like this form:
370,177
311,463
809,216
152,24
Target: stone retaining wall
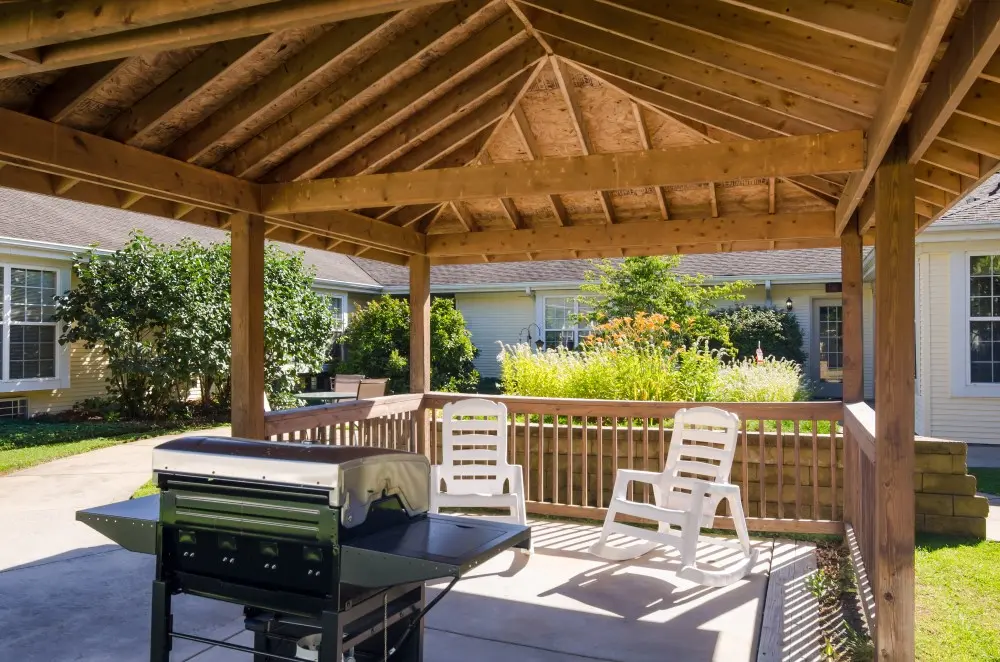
946,493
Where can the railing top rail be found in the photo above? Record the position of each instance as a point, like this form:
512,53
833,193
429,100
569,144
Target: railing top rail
820,410
859,419
289,420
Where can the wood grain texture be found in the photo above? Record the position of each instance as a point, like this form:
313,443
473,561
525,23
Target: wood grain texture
894,427
420,324
247,363
778,157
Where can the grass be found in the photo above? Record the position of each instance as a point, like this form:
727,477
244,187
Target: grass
987,479
146,489
25,444
958,600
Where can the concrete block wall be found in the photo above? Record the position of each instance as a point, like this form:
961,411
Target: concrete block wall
946,493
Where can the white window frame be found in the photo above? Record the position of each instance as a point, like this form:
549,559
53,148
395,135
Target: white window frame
343,308
62,352
540,316
961,319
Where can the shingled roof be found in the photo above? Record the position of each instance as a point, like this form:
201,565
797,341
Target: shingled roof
60,221
981,207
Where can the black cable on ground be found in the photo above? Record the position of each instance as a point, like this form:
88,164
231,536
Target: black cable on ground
419,617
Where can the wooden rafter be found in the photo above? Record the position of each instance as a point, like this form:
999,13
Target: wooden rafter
272,17
654,235
924,29
972,46
63,98
358,229
530,145
381,72
39,145
742,60
780,157
565,81
643,130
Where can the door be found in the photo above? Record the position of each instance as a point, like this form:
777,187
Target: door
827,356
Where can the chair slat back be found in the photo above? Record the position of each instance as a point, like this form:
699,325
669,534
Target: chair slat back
371,388
347,383
702,446
474,445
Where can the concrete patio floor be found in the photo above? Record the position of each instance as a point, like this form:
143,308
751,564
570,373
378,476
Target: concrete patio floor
67,594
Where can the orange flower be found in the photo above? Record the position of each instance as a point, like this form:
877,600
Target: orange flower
674,326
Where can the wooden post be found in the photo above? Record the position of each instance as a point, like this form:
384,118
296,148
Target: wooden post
420,341
852,280
894,408
248,326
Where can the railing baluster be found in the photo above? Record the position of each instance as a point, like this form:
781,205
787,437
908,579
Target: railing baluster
569,461
745,487
584,471
631,456
526,469
614,450
781,469
555,458
833,470
798,477
645,455
815,469
599,500
541,457
763,467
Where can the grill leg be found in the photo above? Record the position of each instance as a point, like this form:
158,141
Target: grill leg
159,632
333,637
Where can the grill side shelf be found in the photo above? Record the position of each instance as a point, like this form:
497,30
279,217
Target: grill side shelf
131,523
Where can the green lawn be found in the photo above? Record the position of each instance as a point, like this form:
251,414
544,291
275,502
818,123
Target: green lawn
145,489
987,480
24,444
958,600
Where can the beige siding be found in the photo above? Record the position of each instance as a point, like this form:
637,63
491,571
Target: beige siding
493,317
87,373
947,415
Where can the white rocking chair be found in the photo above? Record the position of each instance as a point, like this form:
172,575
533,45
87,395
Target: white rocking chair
687,493
475,467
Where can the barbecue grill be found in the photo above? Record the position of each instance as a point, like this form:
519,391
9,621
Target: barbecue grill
316,542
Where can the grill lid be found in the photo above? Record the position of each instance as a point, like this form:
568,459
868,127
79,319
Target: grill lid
355,476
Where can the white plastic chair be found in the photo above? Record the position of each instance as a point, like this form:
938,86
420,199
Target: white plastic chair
687,494
474,461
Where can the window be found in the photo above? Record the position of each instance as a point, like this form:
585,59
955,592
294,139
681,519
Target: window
15,408
561,325
338,306
984,319
28,338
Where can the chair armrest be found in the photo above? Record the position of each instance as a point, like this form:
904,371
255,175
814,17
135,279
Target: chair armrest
715,489
635,475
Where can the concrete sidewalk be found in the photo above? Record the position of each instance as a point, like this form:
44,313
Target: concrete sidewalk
981,455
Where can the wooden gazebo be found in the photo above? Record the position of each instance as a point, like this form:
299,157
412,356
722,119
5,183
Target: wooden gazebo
422,132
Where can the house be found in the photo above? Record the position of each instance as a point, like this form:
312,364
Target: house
501,302
958,321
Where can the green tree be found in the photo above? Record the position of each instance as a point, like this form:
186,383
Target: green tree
378,345
161,316
653,285
777,331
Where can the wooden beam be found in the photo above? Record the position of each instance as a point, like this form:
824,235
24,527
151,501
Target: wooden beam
640,123
40,145
852,284
876,22
420,324
694,164
654,235
924,30
603,49
358,229
972,45
33,24
895,344
353,91
301,77
713,200
29,56
464,217
790,75
511,212
771,202
562,74
272,17
135,124
492,85
501,51
247,326
60,100
531,148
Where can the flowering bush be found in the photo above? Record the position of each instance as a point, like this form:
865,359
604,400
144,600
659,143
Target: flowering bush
636,359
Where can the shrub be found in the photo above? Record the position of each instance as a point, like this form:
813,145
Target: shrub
630,372
777,331
161,317
651,285
378,345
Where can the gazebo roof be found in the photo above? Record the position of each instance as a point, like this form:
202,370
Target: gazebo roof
477,130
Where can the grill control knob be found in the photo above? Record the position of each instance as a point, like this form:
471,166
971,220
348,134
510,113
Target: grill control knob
225,559
267,566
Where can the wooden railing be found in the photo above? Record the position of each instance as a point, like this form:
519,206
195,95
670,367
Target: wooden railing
862,500
388,422
788,463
